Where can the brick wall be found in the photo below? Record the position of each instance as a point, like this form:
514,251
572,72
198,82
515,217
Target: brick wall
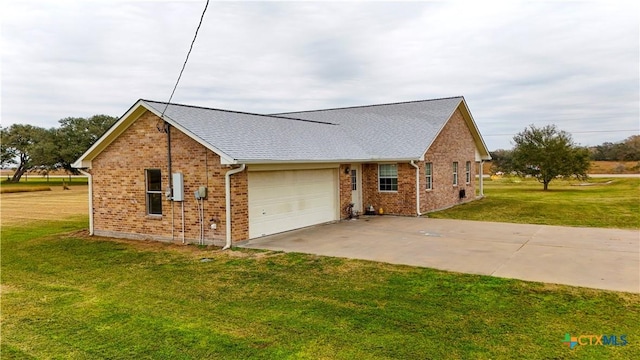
401,202
119,196
455,143
344,179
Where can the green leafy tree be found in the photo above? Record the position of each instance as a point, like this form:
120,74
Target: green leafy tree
627,150
76,135
28,147
7,153
547,153
501,161
632,145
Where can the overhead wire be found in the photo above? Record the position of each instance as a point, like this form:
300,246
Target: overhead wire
574,132
195,36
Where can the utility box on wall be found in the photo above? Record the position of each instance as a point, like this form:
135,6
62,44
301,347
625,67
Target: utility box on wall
202,192
178,186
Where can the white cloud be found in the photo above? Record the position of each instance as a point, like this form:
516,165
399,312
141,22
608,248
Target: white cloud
570,63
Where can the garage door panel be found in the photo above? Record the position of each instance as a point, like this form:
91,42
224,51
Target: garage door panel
300,193
286,200
299,206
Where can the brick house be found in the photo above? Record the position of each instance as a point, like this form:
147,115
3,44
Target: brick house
192,174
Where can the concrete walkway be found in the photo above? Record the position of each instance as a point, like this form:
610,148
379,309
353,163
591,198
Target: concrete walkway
590,257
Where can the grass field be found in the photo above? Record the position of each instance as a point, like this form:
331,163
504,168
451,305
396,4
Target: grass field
602,202
614,167
28,207
67,295
38,183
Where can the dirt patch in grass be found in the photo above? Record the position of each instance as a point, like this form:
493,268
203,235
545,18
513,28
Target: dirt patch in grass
19,208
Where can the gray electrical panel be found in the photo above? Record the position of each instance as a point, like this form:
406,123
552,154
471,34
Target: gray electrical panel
202,192
178,186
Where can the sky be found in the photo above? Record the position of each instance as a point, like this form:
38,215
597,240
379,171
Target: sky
572,64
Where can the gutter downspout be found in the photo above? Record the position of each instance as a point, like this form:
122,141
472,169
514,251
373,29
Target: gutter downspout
90,178
481,179
417,187
227,190
169,195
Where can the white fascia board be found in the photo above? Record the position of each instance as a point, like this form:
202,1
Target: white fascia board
476,133
327,161
291,166
84,161
478,156
81,164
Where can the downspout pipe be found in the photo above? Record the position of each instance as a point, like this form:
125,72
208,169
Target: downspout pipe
167,129
481,179
90,179
227,190
417,187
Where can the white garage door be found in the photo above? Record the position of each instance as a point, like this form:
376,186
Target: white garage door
286,200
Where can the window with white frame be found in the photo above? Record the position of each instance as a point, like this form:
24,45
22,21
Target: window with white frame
154,191
468,171
455,173
428,171
388,177
354,180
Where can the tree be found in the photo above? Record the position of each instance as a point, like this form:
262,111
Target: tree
7,153
632,147
27,146
501,161
31,147
627,150
76,135
547,153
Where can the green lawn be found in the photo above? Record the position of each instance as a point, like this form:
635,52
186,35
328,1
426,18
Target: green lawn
39,183
608,203
68,296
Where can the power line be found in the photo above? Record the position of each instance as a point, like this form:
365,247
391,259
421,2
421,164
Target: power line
601,131
187,59
574,132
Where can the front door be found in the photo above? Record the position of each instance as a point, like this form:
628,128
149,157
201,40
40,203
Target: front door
356,187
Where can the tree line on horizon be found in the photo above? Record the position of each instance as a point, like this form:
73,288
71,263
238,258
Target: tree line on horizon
31,148
625,150
544,153
548,153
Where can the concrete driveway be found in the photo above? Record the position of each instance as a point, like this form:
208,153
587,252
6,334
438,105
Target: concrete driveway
590,257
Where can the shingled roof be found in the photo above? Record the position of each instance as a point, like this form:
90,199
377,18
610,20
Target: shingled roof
386,132
389,131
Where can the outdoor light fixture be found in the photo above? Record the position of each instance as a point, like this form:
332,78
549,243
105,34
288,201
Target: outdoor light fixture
347,170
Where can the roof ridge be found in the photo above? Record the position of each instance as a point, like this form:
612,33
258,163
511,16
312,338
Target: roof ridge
365,106
239,112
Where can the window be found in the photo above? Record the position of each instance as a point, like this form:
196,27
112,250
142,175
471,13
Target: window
388,177
428,170
154,191
354,180
468,171
455,173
